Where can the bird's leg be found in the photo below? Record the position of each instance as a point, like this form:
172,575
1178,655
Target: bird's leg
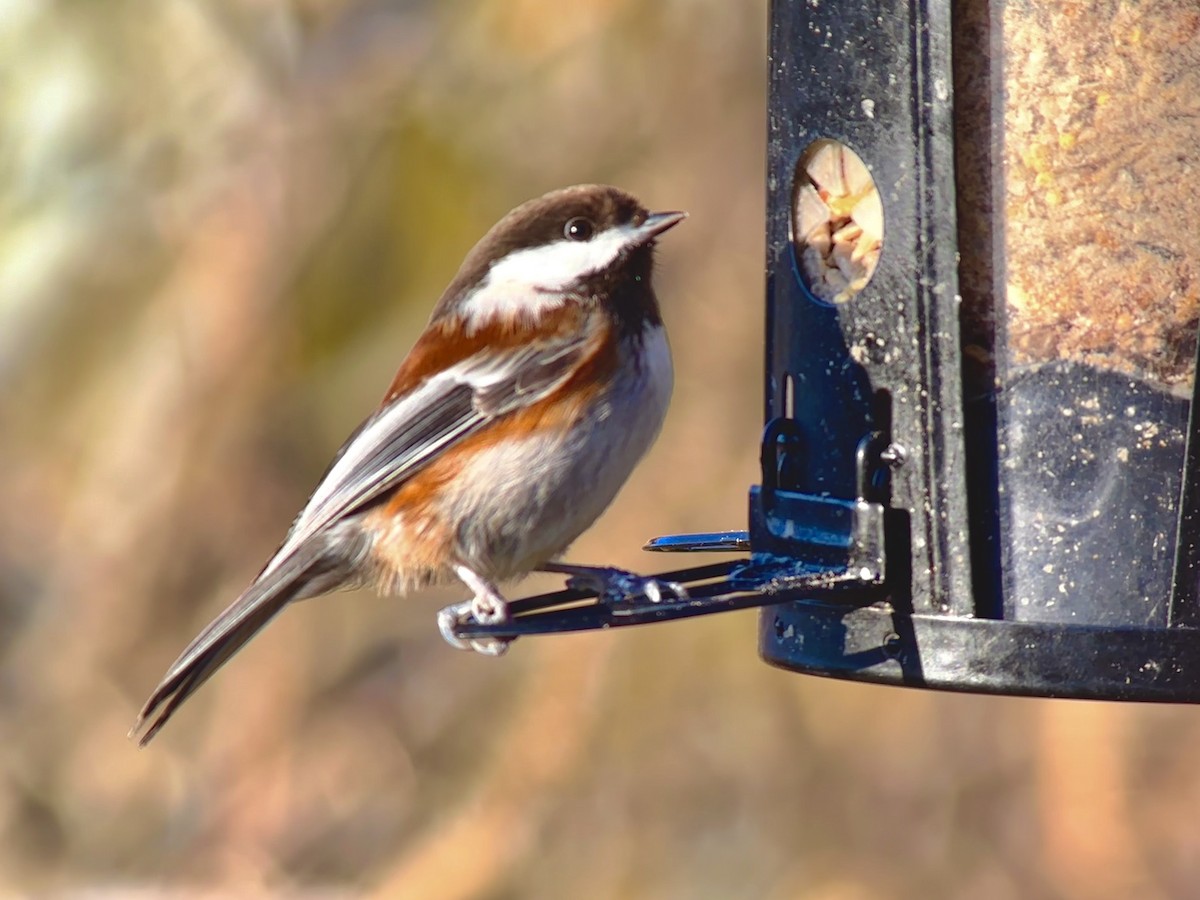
616,585
487,607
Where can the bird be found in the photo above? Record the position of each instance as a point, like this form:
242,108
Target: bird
542,377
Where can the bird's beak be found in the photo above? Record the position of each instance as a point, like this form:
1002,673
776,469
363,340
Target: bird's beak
657,223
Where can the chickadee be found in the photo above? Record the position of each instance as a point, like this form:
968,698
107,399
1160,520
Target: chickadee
542,378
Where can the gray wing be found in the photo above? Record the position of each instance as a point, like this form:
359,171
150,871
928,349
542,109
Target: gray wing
387,449
410,432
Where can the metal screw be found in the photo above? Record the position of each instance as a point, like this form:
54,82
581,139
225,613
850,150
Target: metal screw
893,456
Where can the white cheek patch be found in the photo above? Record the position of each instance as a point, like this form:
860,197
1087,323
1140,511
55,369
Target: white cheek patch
529,281
508,300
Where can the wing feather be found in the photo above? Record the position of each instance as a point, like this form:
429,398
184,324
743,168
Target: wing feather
411,430
401,438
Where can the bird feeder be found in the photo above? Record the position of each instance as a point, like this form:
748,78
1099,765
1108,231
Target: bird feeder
981,459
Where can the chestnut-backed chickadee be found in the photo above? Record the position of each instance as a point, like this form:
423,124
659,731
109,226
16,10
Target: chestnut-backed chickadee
542,378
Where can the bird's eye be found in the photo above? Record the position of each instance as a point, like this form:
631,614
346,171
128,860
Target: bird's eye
578,229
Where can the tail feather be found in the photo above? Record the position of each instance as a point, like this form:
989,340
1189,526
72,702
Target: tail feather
301,574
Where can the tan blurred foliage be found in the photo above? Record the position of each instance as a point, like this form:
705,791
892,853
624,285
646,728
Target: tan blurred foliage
221,226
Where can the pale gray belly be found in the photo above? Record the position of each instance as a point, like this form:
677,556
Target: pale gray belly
520,504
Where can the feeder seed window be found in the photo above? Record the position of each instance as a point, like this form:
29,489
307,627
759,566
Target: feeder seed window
837,221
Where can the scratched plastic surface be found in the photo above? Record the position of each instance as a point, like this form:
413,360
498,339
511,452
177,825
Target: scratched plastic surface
1080,278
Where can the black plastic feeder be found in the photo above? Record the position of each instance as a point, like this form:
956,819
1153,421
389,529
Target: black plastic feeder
968,483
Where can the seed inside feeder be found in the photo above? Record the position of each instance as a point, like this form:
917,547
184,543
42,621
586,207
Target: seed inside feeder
837,221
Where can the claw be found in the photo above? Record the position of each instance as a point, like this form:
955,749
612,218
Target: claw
450,618
487,607
615,586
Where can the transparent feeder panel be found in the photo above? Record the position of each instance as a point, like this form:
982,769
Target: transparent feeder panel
1077,131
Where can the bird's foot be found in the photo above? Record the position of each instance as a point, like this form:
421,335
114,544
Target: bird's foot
615,586
453,617
487,607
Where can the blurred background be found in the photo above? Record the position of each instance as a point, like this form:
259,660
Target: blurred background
222,224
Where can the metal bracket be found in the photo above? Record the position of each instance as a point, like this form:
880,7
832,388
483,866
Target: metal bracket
800,545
